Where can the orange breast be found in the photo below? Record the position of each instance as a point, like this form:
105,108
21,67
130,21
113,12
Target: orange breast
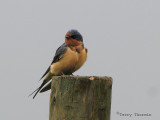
82,57
70,61
67,63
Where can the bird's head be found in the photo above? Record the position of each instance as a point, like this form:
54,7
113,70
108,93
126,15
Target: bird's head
73,38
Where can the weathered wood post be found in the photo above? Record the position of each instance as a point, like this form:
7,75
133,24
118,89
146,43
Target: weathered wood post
80,98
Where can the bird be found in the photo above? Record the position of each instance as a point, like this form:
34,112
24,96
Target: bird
69,57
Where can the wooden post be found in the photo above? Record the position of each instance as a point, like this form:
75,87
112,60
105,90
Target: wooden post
80,98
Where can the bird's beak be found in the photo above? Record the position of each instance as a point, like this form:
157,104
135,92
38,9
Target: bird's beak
68,37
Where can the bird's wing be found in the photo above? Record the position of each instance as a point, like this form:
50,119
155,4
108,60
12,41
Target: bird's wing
58,55
46,72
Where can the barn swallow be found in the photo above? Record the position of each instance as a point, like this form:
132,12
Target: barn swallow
69,57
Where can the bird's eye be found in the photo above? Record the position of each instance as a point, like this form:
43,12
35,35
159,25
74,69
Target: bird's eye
68,37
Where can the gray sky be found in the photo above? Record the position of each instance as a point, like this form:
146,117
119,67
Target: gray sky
122,37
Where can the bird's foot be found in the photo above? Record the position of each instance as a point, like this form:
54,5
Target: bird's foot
71,74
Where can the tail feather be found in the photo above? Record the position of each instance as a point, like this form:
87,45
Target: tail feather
36,92
33,92
47,87
46,80
38,89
